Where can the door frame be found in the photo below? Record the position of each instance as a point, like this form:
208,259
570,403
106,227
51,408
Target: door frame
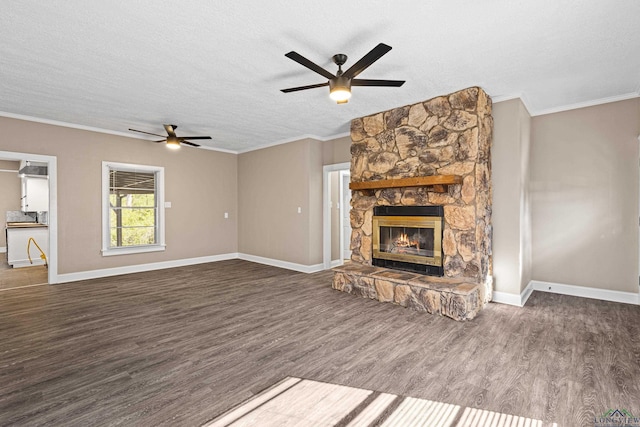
326,211
52,164
343,175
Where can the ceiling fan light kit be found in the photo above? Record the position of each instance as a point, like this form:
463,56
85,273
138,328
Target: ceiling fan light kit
173,143
340,89
340,83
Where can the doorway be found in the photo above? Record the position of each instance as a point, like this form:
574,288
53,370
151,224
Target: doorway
29,276
335,219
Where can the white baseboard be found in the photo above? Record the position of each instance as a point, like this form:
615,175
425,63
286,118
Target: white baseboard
511,299
525,294
106,272
3,249
560,288
336,263
584,292
282,264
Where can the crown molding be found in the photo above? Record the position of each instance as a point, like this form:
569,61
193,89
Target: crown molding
91,129
521,96
64,124
220,150
294,139
586,104
533,112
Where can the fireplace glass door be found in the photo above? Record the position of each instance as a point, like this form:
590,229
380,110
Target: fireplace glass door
410,239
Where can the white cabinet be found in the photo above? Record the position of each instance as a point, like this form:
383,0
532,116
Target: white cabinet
35,194
18,241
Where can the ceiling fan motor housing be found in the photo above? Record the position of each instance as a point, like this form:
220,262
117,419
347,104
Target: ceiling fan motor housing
339,83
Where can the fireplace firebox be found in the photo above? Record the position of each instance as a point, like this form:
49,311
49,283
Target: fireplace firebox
408,238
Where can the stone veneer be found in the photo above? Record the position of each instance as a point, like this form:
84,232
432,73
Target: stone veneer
453,298
447,135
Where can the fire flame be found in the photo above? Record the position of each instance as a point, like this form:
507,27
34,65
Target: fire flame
403,240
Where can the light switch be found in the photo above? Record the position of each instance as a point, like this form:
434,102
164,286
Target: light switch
226,215
167,204
299,209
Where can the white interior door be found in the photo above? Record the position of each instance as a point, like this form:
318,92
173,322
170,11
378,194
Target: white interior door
345,207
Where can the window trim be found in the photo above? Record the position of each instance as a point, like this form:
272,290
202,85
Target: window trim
128,167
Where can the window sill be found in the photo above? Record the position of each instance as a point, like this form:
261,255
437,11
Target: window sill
133,250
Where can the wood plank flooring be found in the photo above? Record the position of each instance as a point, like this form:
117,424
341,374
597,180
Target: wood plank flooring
180,346
302,402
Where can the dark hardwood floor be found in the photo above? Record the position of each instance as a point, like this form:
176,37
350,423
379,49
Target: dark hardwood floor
178,347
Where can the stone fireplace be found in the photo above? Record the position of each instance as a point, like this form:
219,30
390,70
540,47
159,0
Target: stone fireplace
433,155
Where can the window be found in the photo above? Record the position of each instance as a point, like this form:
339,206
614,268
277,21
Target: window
132,208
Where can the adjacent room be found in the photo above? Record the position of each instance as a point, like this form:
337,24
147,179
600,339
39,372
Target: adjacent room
327,214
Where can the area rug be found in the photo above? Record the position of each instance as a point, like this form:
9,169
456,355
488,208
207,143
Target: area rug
301,402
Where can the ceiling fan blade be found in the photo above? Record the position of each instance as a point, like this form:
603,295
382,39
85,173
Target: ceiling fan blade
190,143
171,130
367,82
371,57
195,137
310,65
162,140
295,89
148,133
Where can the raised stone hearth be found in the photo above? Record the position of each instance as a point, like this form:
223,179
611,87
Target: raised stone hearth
445,136
457,299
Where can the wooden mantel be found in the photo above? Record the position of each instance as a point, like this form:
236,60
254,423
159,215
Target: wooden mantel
439,183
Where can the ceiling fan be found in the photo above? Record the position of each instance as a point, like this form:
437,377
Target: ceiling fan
340,83
173,141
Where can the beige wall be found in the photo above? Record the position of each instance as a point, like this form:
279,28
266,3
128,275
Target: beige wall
272,183
336,151
526,239
511,210
315,202
275,181
584,191
200,184
10,193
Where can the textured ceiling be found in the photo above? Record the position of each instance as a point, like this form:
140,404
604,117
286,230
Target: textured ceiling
216,67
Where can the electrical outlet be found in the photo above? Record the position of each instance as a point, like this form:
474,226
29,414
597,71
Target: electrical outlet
226,215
